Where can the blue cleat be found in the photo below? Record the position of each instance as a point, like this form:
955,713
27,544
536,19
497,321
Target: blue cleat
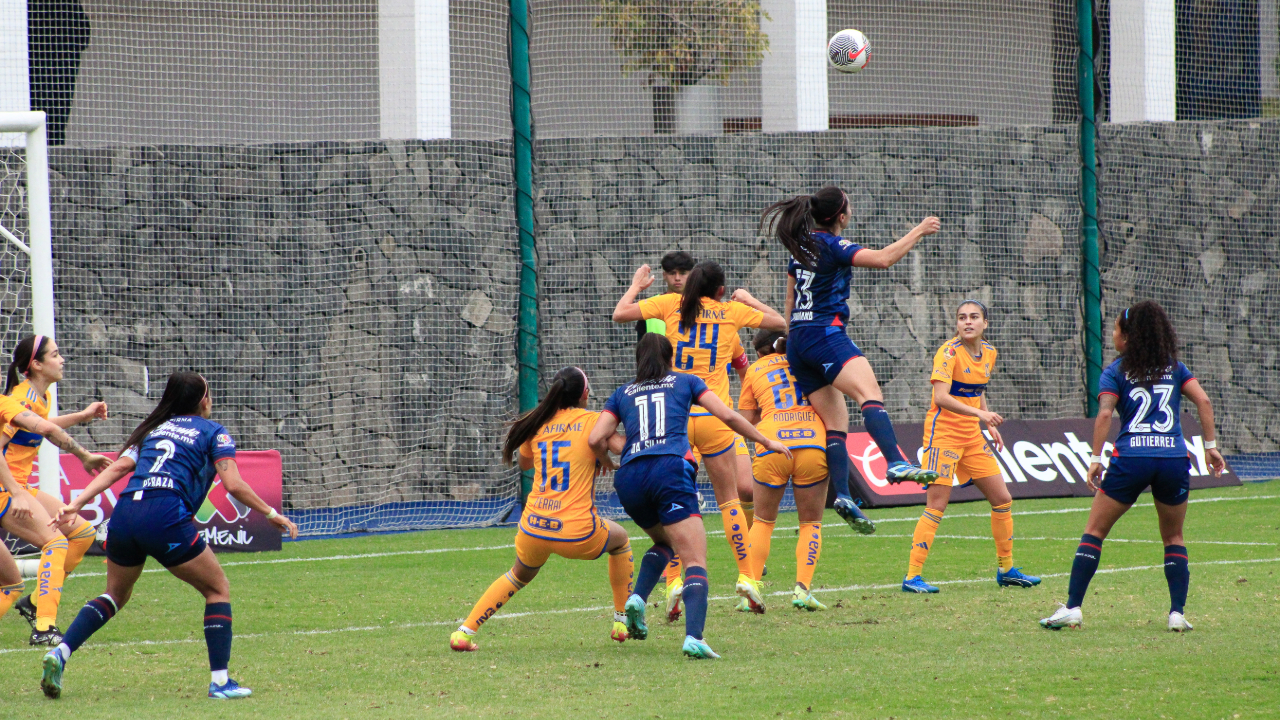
1015,578
698,649
51,680
917,585
852,514
636,629
229,691
903,471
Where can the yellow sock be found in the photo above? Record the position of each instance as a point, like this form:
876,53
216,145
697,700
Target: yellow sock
78,543
922,540
808,548
749,510
49,582
1002,531
498,594
735,532
761,535
621,576
9,595
675,571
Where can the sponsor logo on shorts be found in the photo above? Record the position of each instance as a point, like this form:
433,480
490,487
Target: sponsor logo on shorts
801,434
544,523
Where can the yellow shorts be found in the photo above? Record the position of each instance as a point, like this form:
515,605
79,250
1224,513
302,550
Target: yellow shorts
709,436
533,551
805,467
957,466
740,446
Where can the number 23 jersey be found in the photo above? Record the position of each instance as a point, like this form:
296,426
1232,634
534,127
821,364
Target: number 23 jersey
1149,411
561,503
179,456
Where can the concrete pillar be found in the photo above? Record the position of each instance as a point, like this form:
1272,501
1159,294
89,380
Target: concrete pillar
793,74
1144,74
1269,48
15,78
413,68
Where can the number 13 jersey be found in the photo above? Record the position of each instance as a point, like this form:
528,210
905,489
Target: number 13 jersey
1149,411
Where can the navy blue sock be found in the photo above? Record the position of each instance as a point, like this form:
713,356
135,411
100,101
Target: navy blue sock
880,428
838,462
695,600
1083,568
217,634
652,565
1178,575
89,620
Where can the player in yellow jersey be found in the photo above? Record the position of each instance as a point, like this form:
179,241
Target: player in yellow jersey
771,402
560,515
702,326
37,365
956,450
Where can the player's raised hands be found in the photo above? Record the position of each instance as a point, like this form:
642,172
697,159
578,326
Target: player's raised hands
643,278
929,225
96,411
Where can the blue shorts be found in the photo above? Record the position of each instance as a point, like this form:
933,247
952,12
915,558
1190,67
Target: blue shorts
1168,477
657,489
818,354
158,525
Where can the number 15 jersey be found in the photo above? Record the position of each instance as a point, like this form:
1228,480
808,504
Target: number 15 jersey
562,504
1149,411
655,414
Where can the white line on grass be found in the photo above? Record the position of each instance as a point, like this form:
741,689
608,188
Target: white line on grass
564,611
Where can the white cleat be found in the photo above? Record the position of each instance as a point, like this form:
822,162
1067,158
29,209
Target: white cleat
1064,617
1178,623
674,592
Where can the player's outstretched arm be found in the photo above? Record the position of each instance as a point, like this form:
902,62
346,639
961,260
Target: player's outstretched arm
1101,429
601,437
739,424
771,320
887,256
32,422
628,310
229,473
95,411
105,479
1197,395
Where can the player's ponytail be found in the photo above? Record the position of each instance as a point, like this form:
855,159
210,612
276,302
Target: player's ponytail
32,348
182,395
793,221
704,280
770,342
564,392
1151,347
653,357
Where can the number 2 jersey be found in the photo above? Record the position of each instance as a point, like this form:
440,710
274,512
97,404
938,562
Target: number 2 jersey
178,456
24,445
821,297
1149,411
561,504
784,414
655,414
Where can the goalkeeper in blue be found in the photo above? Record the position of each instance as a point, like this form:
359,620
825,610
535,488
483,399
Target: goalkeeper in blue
174,456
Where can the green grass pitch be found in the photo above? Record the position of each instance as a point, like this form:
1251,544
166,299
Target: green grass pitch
359,628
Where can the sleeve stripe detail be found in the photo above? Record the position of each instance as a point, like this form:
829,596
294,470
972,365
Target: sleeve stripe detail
607,410
1108,392
1184,382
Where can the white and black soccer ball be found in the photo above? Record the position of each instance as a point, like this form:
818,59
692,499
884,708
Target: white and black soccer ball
849,51
101,534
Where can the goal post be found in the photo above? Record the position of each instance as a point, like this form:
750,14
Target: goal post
38,250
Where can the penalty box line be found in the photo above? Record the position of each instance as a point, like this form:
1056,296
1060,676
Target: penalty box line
599,608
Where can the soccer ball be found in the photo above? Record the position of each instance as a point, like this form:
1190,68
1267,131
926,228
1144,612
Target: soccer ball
101,534
849,51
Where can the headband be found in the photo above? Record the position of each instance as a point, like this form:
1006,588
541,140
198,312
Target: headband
35,350
979,303
1126,313
844,202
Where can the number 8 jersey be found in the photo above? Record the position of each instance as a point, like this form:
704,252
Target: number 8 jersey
1149,411
178,457
655,414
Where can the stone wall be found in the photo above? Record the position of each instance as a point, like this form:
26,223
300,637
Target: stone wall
1006,197
350,303
1190,217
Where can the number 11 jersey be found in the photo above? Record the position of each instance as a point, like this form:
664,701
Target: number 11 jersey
655,414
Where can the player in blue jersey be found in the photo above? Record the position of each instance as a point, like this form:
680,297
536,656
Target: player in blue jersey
1147,383
826,364
174,456
655,483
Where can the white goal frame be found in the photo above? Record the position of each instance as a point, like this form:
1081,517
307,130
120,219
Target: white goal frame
40,252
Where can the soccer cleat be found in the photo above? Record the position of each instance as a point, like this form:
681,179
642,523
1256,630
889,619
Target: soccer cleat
1015,578
764,571
917,585
903,471
698,649
459,641
51,679
619,632
636,629
749,590
802,599
743,605
230,690
674,592
27,610
852,514
1063,617
1178,622
50,638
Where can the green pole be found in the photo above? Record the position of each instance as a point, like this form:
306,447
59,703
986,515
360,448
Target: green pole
1090,275
522,151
